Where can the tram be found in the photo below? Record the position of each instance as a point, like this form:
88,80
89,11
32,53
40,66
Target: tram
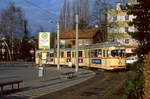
107,55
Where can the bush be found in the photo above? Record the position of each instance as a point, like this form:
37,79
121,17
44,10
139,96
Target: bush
137,66
134,85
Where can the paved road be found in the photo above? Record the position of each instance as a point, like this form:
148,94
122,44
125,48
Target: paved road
105,85
34,86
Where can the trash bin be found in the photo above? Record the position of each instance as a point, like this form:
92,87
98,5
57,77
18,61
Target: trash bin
41,70
70,64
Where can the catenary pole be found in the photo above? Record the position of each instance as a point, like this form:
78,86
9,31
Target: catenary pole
77,45
58,47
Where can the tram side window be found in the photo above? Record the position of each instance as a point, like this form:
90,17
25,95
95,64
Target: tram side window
51,54
122,53
118,53
73,54
69,54
80,54
87,53
99,53
104,53
113,53
48,54
107,54
62,54
94,53
90,53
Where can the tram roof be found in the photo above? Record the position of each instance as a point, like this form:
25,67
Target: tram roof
97,45
105,44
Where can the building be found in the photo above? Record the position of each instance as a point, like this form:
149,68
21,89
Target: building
118,25
86,37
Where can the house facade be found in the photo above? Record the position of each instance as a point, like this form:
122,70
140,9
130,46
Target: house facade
118,25
86,37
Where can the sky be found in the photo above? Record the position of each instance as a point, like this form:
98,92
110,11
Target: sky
39,12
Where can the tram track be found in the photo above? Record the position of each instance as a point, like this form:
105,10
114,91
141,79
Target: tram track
105,85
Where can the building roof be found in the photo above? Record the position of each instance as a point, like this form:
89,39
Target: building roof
83,34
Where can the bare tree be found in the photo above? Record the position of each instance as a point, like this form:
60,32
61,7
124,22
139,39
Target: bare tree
40,29
67,16
81,7
12,25
99,17
99,12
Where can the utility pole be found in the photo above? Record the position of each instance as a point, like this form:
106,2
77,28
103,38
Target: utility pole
77,45
58,47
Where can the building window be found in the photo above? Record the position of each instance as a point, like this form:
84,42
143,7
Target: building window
114,18
126,29
62,43
126,18
80,42
127,41
114,30
73,42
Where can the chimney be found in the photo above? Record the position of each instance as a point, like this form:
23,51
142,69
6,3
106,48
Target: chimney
118,6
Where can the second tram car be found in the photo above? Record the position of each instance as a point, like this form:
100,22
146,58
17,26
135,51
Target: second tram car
108,55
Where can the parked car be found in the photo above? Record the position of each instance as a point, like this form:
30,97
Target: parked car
131,60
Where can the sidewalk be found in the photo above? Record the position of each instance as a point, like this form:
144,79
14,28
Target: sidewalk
52,81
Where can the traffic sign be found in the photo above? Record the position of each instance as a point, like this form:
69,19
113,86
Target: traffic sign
31,51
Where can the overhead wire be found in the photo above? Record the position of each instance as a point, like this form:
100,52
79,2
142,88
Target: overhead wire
46,11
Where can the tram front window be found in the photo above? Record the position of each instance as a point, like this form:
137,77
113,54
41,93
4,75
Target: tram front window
118,53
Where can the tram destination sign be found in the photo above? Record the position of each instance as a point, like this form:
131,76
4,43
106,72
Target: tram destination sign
44,40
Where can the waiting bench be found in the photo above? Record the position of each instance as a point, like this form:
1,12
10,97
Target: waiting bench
10,83
68,75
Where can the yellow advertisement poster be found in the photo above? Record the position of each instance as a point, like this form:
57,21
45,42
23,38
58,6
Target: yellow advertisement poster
44,55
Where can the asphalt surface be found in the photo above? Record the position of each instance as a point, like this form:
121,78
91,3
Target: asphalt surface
105,85
34,86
